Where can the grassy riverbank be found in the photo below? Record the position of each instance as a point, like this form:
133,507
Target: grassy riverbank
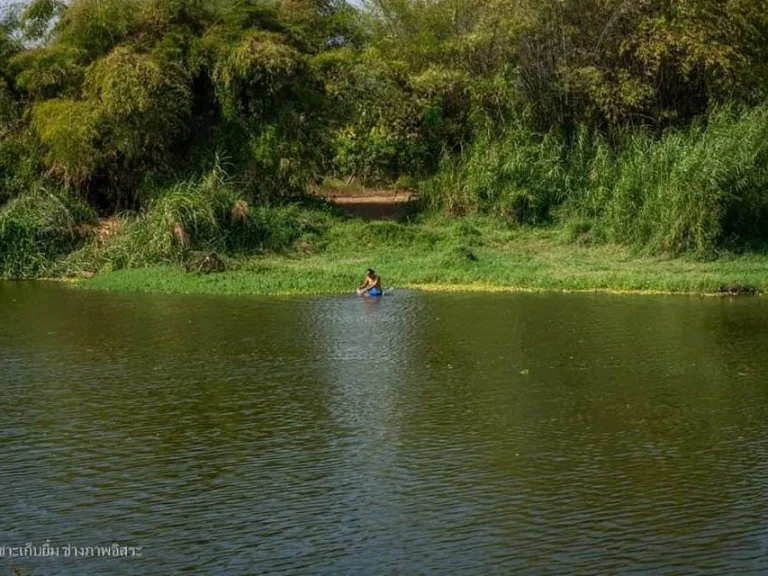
137,136
481,254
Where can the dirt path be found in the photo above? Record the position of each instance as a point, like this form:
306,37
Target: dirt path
373,204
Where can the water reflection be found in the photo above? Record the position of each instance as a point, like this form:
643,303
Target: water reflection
410,434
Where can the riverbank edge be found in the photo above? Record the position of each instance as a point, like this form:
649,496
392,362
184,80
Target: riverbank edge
115,282
83,283
481,255
462,288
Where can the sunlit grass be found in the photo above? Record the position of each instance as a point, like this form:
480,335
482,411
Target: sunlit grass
693,190
480,254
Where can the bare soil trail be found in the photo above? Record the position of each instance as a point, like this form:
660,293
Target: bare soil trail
372,203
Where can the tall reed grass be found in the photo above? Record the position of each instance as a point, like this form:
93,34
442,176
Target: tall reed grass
38,228
692,190
518,175
206,214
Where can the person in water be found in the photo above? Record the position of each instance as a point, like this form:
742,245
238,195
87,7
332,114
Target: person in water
372,284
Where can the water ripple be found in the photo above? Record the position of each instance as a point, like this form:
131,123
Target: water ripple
411,435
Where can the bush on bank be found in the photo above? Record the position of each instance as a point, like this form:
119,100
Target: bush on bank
202,215
37,229
618,131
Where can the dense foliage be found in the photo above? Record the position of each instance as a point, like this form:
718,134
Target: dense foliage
642,121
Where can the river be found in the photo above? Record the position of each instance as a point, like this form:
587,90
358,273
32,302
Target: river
418,434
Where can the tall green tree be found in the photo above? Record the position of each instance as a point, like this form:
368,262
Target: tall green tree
607,62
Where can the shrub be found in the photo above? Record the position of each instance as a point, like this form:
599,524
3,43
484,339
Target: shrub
38,228
199,215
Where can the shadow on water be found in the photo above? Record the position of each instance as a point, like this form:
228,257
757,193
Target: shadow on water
427,434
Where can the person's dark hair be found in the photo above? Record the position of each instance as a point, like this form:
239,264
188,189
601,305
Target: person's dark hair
370,272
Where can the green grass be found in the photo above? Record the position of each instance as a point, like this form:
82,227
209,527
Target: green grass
694,190
37,229
477,254
537,211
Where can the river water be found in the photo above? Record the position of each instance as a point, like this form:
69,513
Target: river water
417,434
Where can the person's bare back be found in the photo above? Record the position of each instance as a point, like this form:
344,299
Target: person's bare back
372,284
